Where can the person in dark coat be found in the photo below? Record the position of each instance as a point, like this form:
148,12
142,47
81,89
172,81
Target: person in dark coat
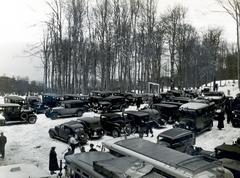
228,108
92,147
138,102
149,126
53,162
221,120
3,141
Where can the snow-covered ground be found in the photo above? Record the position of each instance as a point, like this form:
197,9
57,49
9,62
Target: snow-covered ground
31,143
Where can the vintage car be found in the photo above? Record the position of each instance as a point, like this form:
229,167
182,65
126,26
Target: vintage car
115,124
196,116
51,100
181,99
11,112
229,155
112,103
168,111
92,126
67,109
14,99
138,120
35,103
154,115
236,118
64,131
177,138
217,97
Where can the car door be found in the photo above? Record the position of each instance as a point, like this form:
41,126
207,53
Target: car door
64,132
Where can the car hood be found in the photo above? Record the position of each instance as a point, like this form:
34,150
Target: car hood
57,108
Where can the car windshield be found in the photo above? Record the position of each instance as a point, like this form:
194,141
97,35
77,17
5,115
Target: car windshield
80,129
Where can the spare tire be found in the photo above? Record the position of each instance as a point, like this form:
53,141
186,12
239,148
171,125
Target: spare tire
24,116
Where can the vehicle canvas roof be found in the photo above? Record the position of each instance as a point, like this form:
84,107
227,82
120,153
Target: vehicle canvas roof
175,133
229,148
112,115
89,119
77,96
72,101
13,97
73,124
137,113
166,105
9,105
150,111
113,97
193,106
165,155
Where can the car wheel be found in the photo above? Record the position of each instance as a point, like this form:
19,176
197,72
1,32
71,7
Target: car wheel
2,122
54,116
101,133
51,134
115,133
79,113
32,120
24,116
234,123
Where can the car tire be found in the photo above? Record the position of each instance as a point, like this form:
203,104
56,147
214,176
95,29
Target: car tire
101,132
32,119
115,133
2,123
235,123
51,134
24,116
54,116
79,114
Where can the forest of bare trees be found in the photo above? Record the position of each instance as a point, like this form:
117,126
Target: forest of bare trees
122,45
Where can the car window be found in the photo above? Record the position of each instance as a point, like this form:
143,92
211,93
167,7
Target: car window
68,105
67,130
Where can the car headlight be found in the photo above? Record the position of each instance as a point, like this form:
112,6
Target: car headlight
218,111
187,127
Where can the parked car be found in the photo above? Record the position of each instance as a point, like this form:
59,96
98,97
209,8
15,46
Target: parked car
51,100
195,116
92,126
236,118
177,138
168,112
64,131
14,99
68,108
181,99
35,103
229,155
11,112
154,116
112,103
115,124
218,98
138,120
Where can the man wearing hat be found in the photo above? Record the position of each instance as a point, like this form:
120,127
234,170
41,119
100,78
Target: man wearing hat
3,141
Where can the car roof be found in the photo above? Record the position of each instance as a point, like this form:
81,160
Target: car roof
51,94
137,113
72,101
9,105
73,124
13,97
113,97
150,111
175,133
76,95
111,115
89,119
229,148
193,106
166,105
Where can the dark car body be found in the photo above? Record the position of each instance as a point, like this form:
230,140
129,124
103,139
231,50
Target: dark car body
168,112
229,155
112,103
115,124
196,116
217,97
92,126
67,109
51,100
35,103
14,99
154,116
11,112
182,100
138,120
66,130
177,138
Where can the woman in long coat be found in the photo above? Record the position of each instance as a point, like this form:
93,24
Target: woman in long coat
221,120
53,162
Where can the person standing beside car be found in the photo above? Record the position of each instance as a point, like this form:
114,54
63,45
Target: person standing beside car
221,120
3,141
53,162
73,142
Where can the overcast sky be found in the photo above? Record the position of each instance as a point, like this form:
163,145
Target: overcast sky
22,23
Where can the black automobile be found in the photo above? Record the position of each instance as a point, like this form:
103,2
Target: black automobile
67,109
92,126
177,138
181,99
64,131
115,124
196,116
112,103
229,155
155,117
51,100
168,111
11,112
138,120
14,99
34,102
218,98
